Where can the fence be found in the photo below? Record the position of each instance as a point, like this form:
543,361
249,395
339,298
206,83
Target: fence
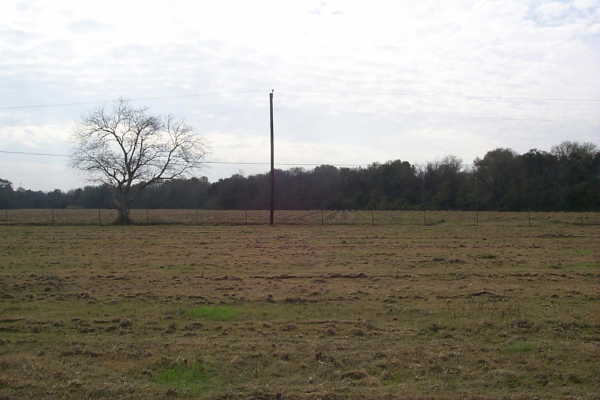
293,217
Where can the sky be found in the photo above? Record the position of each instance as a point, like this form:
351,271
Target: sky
354,82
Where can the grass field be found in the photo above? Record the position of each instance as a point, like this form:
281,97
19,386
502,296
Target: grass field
502,310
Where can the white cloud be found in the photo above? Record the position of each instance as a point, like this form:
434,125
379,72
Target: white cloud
552,11
585,4
37,137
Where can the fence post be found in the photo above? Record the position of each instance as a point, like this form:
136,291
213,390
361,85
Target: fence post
245,217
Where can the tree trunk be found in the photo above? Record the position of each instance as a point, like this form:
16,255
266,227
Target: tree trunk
123,216
123,204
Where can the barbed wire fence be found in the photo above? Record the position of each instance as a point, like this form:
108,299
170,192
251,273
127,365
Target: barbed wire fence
102,217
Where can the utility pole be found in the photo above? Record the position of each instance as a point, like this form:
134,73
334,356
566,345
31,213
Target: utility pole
272,163
476,201
423,199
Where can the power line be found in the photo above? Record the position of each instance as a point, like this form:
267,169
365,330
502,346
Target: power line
79,103
321,92
203,162
412,92
33,154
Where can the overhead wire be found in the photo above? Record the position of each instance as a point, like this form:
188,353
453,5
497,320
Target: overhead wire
413,92
313,92
286,163
151,98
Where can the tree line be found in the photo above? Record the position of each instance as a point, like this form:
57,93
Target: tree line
565,178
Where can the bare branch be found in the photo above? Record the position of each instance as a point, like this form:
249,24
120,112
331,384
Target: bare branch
129,149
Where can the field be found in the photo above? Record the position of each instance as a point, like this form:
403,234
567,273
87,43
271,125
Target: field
441,308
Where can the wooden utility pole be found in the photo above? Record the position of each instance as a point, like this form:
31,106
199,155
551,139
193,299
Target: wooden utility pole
477,195
272,163
423,200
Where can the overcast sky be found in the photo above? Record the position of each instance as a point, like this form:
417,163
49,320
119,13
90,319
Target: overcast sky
355,82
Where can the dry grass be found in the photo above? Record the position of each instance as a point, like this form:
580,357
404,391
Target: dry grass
446,311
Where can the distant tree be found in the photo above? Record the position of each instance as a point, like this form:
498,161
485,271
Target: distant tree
496,179
574,150
325,187
578,175
539,178
6,193
444,181
56,199
128,149
394,185
179,193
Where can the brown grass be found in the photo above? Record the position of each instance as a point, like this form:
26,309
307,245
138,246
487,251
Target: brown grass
445,311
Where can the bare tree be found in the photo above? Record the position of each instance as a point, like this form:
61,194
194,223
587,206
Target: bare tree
574,150
129,150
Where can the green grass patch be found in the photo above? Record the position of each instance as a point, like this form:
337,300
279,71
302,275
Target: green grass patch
586,265
520,346
582,265
215,313
193,378
397,377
